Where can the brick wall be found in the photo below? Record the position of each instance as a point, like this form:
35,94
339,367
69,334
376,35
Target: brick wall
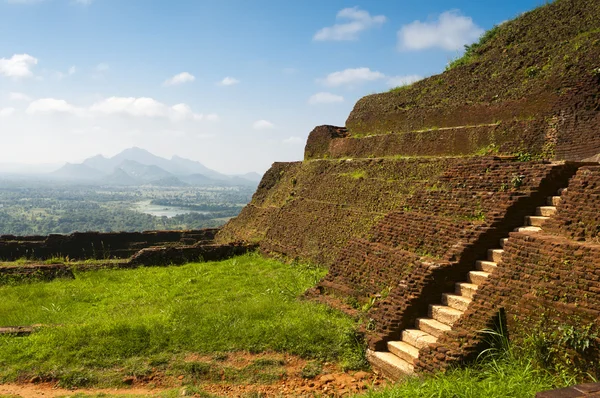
578,217
546,281
420,252
98,245
310,210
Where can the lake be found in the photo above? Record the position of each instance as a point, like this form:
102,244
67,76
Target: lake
159,211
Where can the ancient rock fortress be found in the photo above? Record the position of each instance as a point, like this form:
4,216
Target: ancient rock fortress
467,200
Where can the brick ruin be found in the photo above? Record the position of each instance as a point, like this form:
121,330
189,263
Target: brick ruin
467,200
437,207
96,245
129,249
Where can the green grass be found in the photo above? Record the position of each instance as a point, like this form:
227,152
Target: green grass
108,323
356,174
472,50
508,376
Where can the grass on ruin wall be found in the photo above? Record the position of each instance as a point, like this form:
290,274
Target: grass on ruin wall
545,51
110,323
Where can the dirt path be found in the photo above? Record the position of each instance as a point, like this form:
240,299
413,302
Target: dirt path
333,385
330,382
47,390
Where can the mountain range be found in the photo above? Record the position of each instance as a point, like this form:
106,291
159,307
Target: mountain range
136,166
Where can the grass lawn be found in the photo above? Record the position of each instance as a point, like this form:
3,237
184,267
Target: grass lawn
507,377
109,323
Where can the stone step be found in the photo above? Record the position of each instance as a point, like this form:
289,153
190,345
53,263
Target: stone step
495,255
431,326
528,229
444,314
403,350
554,200
478,277
503,242
466,289
390,365
486,266
457,302
536,221
545,211
418,338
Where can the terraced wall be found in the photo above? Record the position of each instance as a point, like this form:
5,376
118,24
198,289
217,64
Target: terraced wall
529,87
547,286
310,210
414,255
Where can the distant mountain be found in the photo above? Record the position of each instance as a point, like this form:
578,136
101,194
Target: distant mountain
192,167
143,172
171,181
136,166
76,172
101,163
120,178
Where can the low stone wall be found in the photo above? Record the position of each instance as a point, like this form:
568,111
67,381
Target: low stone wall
95,245
165,256
43,272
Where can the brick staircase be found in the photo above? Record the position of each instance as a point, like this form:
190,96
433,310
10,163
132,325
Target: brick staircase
398,361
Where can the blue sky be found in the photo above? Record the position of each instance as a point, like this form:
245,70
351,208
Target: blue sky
235,84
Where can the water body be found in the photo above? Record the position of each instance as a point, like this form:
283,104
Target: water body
167,211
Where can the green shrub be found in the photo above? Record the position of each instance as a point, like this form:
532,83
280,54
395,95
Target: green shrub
472,51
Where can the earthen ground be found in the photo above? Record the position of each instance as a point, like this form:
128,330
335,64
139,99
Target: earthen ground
332,382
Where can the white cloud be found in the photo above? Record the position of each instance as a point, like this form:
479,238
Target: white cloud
72,70
293,140
17,66
262,125
451,31
181,112
229,81
325,98
142,107
5,112
398,81
52,105
351,76
83,2
18,97
180,78
358,21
